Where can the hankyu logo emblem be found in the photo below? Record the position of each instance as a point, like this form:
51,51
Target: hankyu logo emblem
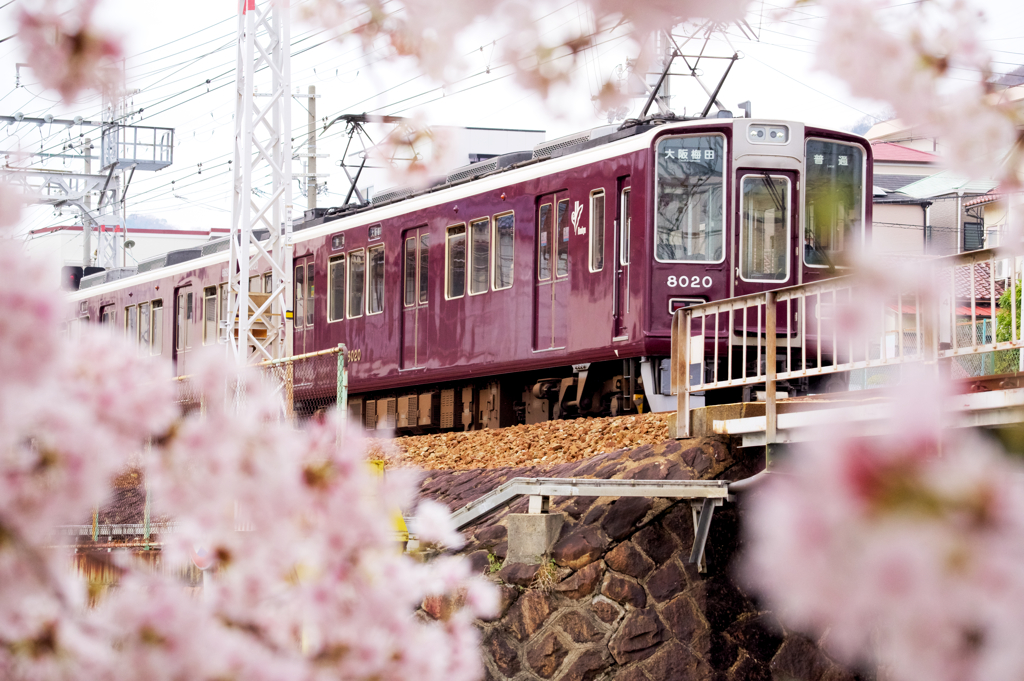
577,213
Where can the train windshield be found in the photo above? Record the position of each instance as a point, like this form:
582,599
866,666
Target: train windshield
689,201
834,203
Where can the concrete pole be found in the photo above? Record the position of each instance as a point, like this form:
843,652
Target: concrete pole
86,222
311,150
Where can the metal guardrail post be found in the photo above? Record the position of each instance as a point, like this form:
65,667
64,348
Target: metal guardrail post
342,395
770,341
681,335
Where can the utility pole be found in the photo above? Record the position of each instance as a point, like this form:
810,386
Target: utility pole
259,326
86,219
311,148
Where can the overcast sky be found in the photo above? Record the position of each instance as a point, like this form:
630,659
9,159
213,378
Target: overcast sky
173,48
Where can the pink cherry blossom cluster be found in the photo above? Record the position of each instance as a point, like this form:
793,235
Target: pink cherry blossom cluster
309,578
66,50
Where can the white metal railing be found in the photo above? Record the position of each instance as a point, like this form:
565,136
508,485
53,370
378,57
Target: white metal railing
949,313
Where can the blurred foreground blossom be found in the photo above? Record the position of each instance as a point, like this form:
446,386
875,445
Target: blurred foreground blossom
310,581
902,550
67,50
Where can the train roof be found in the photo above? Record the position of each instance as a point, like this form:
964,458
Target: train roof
549,157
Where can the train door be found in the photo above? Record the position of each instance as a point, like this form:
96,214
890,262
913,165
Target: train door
184,311
415,258
303,303
623,229
552,288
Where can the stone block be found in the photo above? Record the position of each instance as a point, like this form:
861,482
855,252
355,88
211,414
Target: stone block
624,516
501,651
579,548
519,574
607,610
443,606
622,589
674,662
528,614
580,626
628,560
666,582
546,655
531,536
587,667
657,542
582,582
683,620
638,638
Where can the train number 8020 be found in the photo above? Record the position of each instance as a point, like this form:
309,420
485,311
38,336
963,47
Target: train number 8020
689,282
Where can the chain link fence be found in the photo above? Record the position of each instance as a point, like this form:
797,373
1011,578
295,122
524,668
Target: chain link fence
307,385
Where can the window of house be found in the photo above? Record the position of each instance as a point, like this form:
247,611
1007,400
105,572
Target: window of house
597,230
356,282
375,280
336,289
210,315
455,275
504,249
480,260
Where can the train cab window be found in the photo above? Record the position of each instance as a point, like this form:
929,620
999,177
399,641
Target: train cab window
504,250
107,314
480,255
300,296
210,315
375,279
689,205
336,289
562,240
833,201
597,230
455,275
356,282
131,322
764,227
183,319
156,333
544,229
144,329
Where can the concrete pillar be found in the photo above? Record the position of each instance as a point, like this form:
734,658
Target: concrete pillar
531,536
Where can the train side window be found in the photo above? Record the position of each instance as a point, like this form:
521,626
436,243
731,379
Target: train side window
254,284
455,275
597,230
544,242
356,282
268,282
107,314
156,333
144,329
210,315
183,318
336,289
409,273
562,240
131,322
375,279
504,250
624,237
300,295
480,255
309,294
424,259
224,307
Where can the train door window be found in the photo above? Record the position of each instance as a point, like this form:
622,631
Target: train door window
544,229
144,329
375,279
131,322
764,227
626,222
597,230
834,200
689,199
504,250
156,333
424,259
356,282
210,315
183,319
309,293
409,273
562,240
300,296
336,289
480,255
268,282
107,314
455,275
224,307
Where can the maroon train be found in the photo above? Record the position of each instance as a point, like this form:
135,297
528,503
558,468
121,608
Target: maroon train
534,285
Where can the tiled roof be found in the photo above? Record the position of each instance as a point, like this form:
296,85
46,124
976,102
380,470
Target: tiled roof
897,153
891,183
1013,78
982,282
947,182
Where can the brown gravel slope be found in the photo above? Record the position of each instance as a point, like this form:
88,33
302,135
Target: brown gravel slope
549,443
